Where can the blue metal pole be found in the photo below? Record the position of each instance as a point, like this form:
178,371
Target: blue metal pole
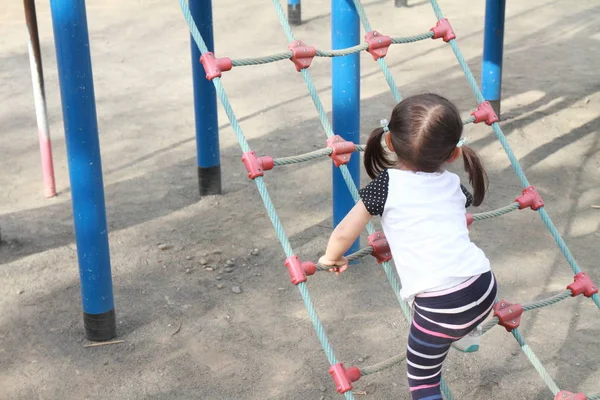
493,45
85,169
205,106
345,32
294,12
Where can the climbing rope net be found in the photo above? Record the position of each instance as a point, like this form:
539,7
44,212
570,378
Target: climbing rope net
506,314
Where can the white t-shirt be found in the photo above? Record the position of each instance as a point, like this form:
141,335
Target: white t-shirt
423,219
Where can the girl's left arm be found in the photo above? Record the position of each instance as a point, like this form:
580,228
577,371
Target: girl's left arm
344,235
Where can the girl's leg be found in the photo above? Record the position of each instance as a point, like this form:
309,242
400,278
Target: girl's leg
438,321
424,357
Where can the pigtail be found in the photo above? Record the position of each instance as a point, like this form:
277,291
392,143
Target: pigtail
376,158
477,174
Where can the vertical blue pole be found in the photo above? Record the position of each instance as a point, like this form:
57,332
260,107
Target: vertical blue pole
294,12
345,32
493,45
205,106
85,169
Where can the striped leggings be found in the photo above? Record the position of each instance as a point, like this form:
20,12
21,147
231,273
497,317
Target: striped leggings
439,319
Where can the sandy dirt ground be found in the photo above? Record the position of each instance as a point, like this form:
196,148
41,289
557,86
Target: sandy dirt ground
187,334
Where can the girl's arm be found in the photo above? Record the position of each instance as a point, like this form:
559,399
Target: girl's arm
344,235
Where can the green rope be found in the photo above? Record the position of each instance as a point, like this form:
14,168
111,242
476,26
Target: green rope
511,156
346,173
563,248
303,157
412,39
390,362
320,331
436,9
352,186
264,194
382,63
560,296
565,294
469,120
489,325
391,276
362,15
244,62
389,79
537,364
594,397
351,257
318,326
496,213
343,52
311,155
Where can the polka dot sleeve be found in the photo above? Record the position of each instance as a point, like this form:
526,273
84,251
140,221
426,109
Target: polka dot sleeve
467,194
374,195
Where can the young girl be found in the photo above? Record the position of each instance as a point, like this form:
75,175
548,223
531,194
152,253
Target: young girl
445,277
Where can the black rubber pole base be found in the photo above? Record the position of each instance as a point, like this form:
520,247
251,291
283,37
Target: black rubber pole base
295,14
100,327
496,106
401,3
209,180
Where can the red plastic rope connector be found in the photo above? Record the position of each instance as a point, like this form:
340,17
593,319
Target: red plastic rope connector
564,395
214,66
381,247
582,285
485,112
298,270
342,149
443,30
530,199
378,44
302,55
509,315
470,219
343,377
256,165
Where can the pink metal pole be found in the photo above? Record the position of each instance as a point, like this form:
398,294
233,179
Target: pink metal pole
39,96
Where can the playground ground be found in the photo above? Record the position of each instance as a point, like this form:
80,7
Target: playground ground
186,333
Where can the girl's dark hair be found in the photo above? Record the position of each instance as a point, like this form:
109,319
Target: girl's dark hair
424,131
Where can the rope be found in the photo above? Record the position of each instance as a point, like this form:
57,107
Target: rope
382,63
525,183
389,79
262,189
565,294
513,160
537,364
532,306
351,257
412,39
343,52
477,217
511,156
244,62
303,157
311,156
392,278
345,173
390,362
469,120
496,213
563,247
